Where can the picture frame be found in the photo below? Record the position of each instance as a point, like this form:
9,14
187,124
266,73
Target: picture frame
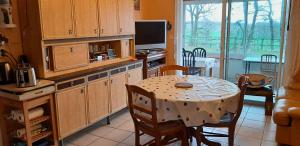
137,5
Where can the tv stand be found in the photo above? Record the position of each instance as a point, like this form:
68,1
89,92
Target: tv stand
153,59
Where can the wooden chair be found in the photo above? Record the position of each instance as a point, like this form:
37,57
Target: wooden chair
189,61
268,63
145,121
199,52
268,66
229,120
166,68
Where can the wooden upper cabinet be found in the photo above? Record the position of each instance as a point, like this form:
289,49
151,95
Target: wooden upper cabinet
126,17
108,17
70,56
86,18
57,20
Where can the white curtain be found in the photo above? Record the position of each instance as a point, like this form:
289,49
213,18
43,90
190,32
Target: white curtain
178,31
292,66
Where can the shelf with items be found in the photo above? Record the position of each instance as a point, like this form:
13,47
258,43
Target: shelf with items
68,58
152,61
26,122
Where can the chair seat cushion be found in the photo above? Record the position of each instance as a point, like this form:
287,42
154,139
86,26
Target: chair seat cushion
225,121
281,116
165,127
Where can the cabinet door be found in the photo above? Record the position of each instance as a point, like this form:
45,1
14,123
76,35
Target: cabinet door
56,19
118,92
108,17
70,56
134,76
98,100
71,105
86,18
126,17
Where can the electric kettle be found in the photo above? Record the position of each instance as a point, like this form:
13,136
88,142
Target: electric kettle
6,73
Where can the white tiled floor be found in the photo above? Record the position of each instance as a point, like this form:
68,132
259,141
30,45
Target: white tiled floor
253,129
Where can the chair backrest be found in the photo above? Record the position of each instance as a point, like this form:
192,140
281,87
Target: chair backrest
199,52
140,114
268,63
188,59
173,68
242,84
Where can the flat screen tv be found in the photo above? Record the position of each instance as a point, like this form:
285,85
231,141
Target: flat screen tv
151,34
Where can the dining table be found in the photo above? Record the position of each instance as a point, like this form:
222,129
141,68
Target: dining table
205,101
205,63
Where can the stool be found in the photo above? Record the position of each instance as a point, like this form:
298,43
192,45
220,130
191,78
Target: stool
264,91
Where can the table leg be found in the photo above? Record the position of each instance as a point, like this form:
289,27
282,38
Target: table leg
200,138
246,67
211,72
269,105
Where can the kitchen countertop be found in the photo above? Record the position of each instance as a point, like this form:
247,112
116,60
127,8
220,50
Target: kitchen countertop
11,91
91,71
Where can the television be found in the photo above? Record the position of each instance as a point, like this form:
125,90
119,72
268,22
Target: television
151,34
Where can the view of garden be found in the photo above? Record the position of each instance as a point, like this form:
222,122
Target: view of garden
254,28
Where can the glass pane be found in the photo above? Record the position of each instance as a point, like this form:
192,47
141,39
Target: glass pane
202,28
255,31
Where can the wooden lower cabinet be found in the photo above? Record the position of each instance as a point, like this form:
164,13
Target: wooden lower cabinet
71,111
93,100
134,76
98,100
118,92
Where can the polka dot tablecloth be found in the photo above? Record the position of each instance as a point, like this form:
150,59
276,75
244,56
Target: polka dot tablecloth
206,102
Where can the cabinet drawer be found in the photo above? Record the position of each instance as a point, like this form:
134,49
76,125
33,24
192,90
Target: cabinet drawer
70,56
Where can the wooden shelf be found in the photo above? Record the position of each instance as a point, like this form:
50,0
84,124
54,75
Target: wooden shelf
39,120
41,136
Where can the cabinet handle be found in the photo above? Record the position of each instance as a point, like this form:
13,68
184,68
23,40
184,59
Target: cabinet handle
128,75
102,31
105,83
71,49
121,30
111,81
81,91
96,31
70,31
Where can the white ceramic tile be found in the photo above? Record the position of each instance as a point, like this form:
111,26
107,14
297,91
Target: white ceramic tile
117,135
82,139
101,131
128,126
104,142
269,136
256,117
253,124
247,141
268,143
131,139
250,132
257,110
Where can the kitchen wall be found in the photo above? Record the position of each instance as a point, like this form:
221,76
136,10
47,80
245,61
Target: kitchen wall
160,9
13,34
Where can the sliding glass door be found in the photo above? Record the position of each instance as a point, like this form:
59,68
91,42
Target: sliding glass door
236,33
254,38
202,28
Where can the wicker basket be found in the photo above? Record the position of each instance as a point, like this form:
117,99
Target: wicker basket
257,80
